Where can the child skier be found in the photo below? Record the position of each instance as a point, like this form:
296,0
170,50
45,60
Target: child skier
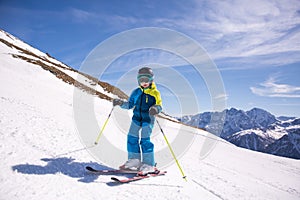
147,103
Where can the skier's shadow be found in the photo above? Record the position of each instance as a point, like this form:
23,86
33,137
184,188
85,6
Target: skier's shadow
66,166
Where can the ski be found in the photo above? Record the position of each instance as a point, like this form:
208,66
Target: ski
138,177
110,171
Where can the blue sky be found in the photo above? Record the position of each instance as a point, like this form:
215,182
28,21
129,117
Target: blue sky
254,43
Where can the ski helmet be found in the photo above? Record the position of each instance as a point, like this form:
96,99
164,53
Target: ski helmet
145,74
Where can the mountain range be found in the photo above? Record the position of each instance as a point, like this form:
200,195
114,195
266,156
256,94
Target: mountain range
255,129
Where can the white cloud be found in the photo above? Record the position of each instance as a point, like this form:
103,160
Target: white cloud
235,28
81,15
270,88
231,28
226,29
222,97
247,28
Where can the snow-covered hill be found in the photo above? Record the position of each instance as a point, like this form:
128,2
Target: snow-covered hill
42,156
256,129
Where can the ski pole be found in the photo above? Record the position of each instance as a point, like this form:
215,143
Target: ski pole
172,152
103,127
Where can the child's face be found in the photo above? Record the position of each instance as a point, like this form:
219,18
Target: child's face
144,84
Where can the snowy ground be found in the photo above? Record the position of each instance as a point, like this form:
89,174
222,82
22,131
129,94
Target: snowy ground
42,156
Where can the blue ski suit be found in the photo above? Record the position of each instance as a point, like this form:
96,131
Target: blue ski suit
141,100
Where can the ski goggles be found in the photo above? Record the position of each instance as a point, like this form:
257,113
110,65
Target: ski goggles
144,78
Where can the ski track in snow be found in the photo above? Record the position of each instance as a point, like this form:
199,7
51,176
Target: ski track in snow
42,156
211,191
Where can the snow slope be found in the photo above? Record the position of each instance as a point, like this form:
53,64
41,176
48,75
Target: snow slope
42,156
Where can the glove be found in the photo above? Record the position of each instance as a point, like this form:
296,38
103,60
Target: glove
153,110
117,102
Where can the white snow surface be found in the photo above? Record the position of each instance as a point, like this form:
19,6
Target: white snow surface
42,156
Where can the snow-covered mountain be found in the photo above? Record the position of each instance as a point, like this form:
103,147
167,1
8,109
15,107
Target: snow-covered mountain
22,51
42,156
287,145
256,129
